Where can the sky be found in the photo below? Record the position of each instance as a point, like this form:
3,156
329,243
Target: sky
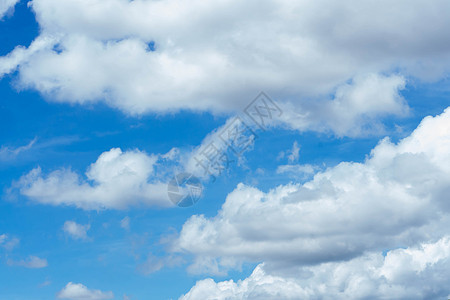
317,132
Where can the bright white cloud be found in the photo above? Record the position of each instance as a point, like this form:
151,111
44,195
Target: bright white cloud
32,262
77,291
6,5
75,230
413,273
213,55
396,197
116,180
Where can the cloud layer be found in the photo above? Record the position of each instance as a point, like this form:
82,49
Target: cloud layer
396,198
413,273
138,56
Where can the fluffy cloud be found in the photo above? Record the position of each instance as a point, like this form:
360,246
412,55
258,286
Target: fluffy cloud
116,180
413,273
397,197
32,262
141,56
6,5
75,230
76,291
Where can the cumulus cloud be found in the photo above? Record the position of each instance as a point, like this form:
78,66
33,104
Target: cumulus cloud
75,230
116,180
414,273
5,6
396,197
141,56
32,262
77,291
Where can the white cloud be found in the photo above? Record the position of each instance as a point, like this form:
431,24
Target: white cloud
214,55
356,108
396,197
76,291
32,262
116,180
5,6
413,273
75,230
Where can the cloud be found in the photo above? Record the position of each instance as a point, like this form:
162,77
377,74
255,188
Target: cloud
32,262
396,197
154,263
125,223
294,154
298,171
7,242
5,6
116,180
8,153
356,108
417,272
76,291
149,56
76,231
151,265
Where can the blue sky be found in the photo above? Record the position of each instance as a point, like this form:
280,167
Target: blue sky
89,87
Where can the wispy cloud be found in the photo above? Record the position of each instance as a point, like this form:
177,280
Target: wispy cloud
32,262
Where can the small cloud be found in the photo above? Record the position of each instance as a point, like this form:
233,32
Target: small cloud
77,291
294,153
125,223
8,243
32,262
8,153
75,230
298,171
